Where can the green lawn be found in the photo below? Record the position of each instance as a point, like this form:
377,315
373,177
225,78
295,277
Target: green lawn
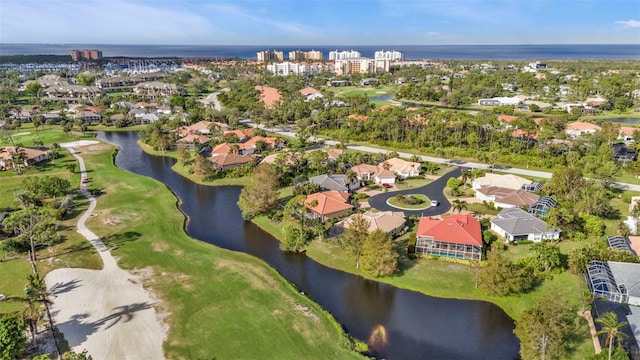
216,299
412,183
74,251
361,90
396,202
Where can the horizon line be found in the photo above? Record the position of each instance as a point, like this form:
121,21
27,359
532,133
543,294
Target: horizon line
325,45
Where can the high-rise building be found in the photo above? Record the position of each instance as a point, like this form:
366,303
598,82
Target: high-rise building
313,55
389,55
360,66
86,55
268,55
287,68
339,55
296,55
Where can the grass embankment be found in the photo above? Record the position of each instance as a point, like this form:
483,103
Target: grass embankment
401,204
74,250
183,170
218,303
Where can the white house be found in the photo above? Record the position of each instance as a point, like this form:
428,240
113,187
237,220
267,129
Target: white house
402,167
501,101
578,128
516,224
508,181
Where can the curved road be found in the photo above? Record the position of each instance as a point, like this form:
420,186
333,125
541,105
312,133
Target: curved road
433,191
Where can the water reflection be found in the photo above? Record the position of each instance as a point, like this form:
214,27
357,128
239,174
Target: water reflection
415,326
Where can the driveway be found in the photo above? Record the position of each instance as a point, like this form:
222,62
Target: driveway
434,191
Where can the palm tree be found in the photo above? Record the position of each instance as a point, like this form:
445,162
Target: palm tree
55,148
611,328
459,205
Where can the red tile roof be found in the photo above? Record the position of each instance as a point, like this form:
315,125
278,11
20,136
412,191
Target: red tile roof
268,95
329,202
457,229
582,126
507,118
309,90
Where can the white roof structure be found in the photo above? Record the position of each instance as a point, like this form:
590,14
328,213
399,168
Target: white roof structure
508,181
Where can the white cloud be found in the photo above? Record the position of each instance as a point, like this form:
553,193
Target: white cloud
628,23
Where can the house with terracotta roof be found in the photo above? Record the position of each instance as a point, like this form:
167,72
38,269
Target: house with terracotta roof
230,161
358,117
269,96
249,147
191,141
242,135
507,119
506,198
457,236
30,156
402,167
579,128
626,133
391,222
311,94
516,224
328,204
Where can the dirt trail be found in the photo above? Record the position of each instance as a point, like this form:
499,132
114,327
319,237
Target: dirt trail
106,312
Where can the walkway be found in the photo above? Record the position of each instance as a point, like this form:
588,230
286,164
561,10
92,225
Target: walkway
106,312
434,191
212,99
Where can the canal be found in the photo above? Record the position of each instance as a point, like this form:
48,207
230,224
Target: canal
401,324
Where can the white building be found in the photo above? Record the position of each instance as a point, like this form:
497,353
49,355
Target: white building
360,66
287,68
391,55
339,55
501,101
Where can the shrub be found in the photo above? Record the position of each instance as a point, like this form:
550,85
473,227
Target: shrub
361,196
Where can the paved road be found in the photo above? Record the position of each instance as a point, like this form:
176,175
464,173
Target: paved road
466,164
433,191
212,99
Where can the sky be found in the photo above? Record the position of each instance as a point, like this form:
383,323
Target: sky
320,22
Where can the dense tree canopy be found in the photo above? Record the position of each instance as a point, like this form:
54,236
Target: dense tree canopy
260,194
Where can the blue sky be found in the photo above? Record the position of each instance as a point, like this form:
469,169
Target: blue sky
320,22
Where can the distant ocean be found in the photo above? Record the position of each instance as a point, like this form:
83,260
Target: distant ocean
412,52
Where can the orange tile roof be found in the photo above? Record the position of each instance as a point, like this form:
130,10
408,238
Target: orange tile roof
385,107
309,90
271,141
507,118
268,96
358,117
458,229
628,130
240,134
231,159
517,133
329,202
581,126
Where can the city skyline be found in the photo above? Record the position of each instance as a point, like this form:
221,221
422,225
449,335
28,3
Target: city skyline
315,22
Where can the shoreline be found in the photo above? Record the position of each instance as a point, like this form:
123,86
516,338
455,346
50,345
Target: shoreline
360,346
331,265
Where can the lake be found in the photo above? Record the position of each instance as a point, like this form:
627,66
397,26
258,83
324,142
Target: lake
402,324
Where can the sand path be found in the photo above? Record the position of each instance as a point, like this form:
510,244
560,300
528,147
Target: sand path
106,312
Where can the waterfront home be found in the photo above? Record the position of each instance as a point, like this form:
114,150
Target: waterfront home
402,167
230,161
457,236
88,116
579,128
508,181
506,198
328,204
335,182
516,224
190,142
29,156
391,222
